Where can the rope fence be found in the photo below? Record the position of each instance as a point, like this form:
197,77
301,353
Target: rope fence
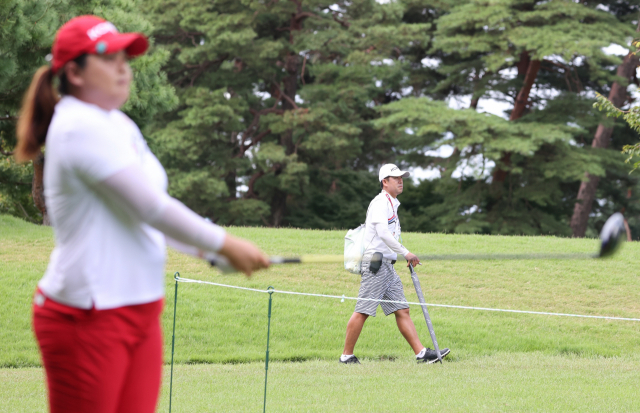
343,297
271,291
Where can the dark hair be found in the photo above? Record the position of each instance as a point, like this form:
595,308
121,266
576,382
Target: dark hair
381,186
63,87
37,110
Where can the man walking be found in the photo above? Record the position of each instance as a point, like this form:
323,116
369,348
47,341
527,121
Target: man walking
382,282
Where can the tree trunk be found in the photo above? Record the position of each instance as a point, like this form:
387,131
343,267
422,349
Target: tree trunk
626,227
37,188
532,69
474,101
279,201
290,82
588,187
230,180
278,207
523,96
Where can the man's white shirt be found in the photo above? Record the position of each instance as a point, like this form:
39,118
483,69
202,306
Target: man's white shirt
382,233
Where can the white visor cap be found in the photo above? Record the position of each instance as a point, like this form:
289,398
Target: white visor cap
391,170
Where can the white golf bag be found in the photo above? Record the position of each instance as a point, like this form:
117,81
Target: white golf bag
354,249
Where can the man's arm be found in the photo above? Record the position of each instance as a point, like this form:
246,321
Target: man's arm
382,229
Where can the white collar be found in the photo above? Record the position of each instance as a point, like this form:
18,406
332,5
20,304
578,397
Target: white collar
72,100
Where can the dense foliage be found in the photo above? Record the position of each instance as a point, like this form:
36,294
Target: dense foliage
286,108
27,29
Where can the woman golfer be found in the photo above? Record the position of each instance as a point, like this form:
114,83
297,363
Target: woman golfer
96,310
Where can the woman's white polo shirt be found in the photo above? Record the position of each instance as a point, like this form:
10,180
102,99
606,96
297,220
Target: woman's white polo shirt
103,258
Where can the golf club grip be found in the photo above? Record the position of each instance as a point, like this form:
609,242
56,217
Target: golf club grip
283,260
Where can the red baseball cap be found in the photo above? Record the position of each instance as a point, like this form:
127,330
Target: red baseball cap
93,35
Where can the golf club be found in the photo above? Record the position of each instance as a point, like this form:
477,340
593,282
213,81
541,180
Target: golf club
611,237
425,312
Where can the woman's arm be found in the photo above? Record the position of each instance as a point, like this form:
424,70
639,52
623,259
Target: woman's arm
134,193
184,248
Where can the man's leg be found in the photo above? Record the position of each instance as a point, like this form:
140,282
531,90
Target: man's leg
371,287
354,328
408,329
395,292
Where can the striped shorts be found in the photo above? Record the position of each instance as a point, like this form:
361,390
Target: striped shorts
384,285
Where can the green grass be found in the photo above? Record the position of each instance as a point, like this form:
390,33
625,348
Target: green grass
499,361
504,382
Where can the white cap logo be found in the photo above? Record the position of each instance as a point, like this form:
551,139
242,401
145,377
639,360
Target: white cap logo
391,170
100,30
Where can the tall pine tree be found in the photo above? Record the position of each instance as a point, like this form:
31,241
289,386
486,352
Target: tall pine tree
546,60
626,73
277,101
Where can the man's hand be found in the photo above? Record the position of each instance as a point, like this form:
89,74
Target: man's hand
412,259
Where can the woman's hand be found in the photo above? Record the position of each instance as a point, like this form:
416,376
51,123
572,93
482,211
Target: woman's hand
243,255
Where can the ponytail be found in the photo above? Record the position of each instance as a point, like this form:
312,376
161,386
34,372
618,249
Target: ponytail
35,115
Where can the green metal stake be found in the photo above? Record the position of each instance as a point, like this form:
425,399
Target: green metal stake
266,365
173,337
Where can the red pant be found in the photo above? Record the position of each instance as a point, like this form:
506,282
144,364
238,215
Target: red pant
100,361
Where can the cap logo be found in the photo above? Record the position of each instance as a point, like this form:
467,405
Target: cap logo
101,47
100,30
394,168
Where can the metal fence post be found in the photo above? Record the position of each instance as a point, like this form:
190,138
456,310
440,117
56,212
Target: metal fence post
173,337
266,364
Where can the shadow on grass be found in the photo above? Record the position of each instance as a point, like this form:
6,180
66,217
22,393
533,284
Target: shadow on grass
232,361
585,353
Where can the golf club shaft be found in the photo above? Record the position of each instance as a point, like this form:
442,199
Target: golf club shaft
314,259
425,312
224,266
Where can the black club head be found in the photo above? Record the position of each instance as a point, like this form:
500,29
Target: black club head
612,235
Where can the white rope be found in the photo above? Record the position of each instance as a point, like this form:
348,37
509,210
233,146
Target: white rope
342,298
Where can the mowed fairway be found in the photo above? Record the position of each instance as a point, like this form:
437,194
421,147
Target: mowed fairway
499,361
